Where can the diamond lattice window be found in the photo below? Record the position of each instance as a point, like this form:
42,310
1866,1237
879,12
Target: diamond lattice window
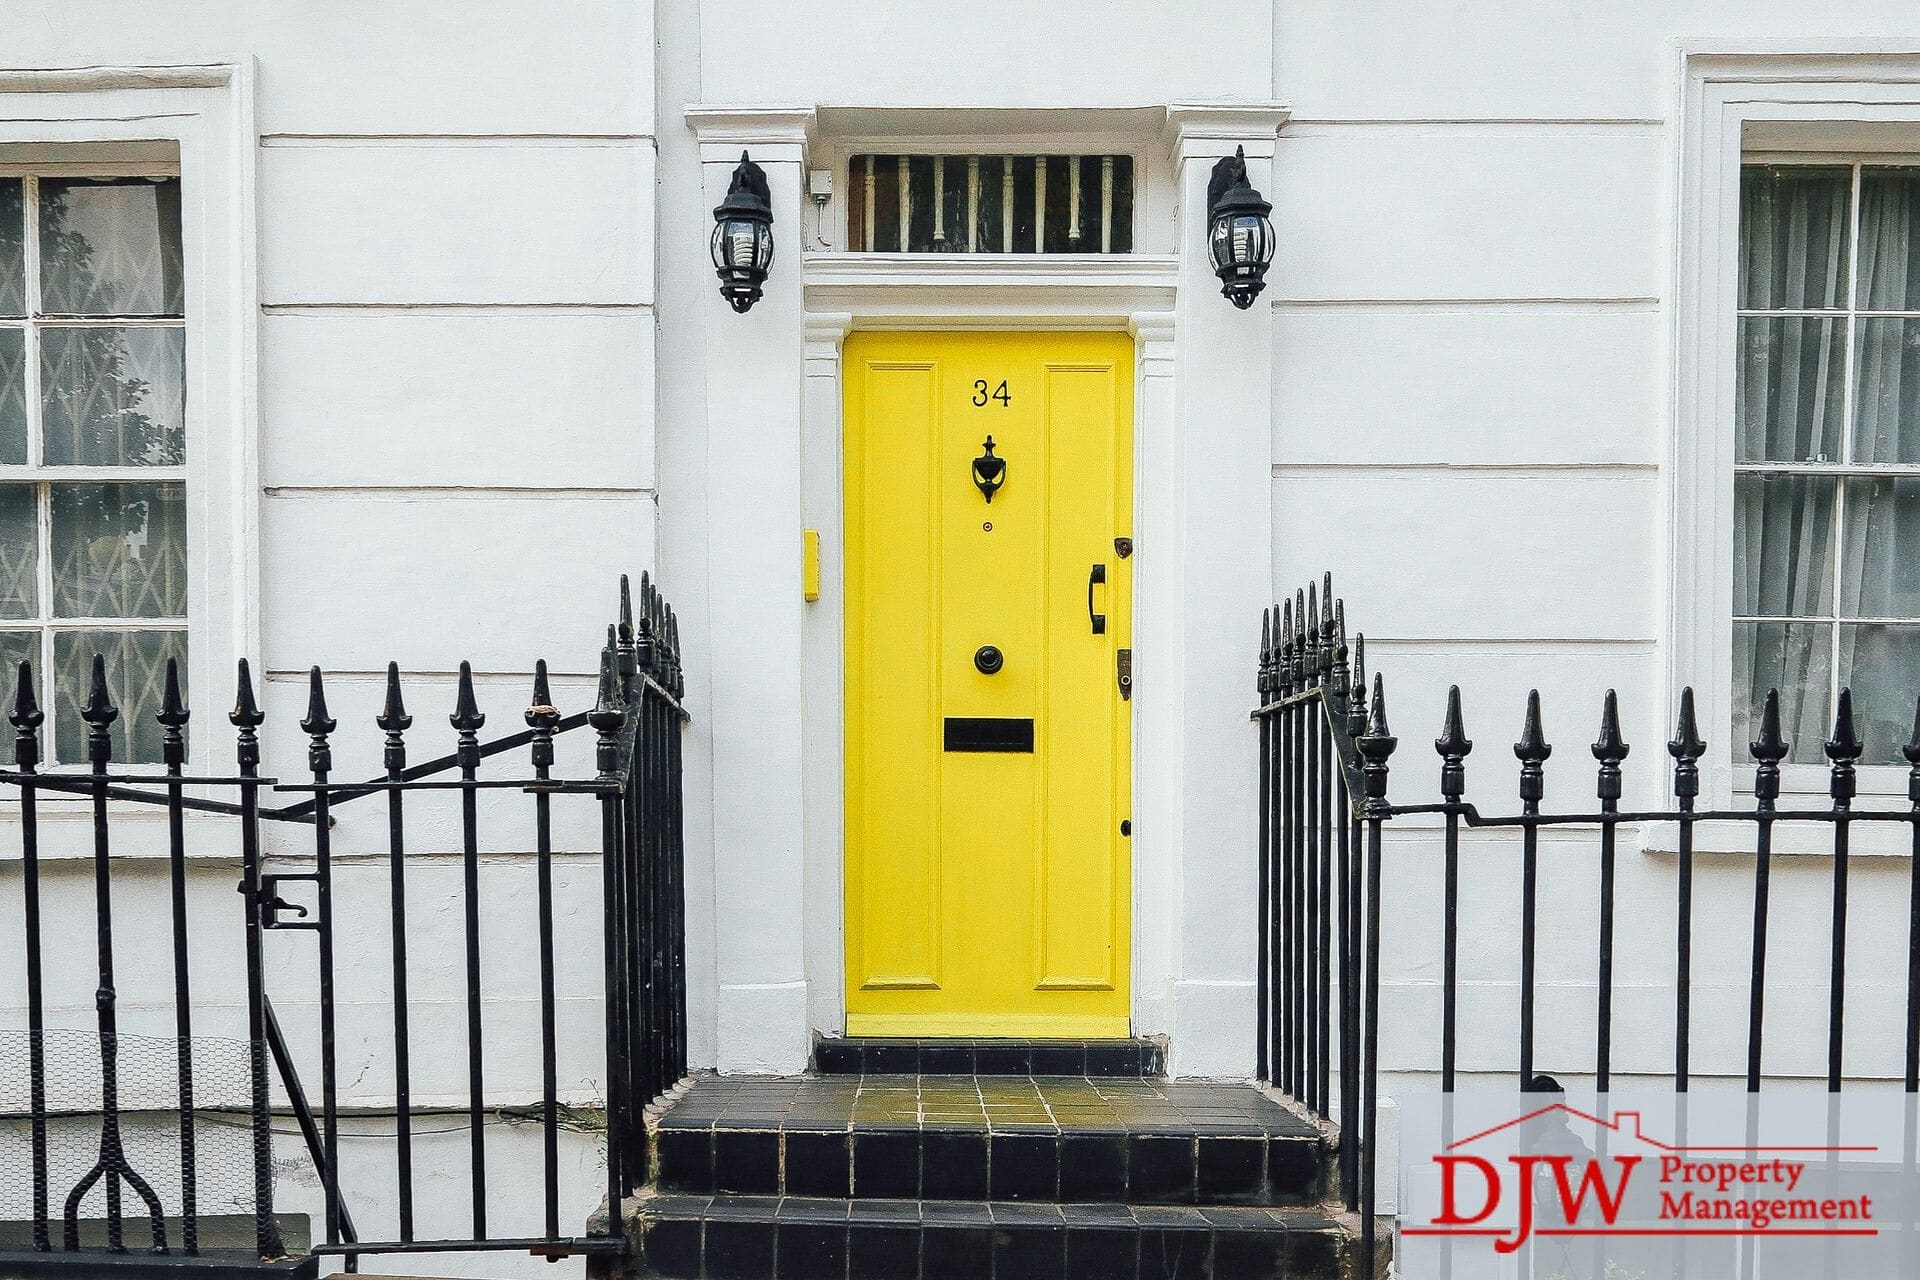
93,519
990,204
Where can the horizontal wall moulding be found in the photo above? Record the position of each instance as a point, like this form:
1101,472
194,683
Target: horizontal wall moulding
1281,469
1298,127
1640,302
454,308
455,139
453,491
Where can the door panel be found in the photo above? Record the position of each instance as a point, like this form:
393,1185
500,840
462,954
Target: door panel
987,887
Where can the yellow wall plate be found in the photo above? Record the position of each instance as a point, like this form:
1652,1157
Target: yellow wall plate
810,564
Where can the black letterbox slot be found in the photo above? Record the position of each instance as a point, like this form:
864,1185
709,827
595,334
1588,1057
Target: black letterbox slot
989,733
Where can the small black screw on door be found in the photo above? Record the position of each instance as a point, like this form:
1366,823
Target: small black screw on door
988,659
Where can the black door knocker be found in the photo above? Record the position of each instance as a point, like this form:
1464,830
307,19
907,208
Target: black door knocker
989,472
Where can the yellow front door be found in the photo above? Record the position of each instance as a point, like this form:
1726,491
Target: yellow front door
988,619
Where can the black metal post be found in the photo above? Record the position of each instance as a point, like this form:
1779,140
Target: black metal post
317,725
394,721
1609,749
26,717
1768,750
1686,749
467,722
246,718
1532,751
172,716
541,717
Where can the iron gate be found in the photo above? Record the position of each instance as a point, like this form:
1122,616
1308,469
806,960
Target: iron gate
207,1191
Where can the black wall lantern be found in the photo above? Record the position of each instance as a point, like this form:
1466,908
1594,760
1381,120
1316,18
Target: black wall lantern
743,235
1239,235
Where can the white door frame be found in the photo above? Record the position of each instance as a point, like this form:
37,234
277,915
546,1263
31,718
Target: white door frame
849,292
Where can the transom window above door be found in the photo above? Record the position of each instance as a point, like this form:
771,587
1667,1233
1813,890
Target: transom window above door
93,511
1826,556
990,204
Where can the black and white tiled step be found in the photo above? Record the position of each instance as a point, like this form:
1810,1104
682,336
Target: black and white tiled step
1101,1059
797,1238
1031,1140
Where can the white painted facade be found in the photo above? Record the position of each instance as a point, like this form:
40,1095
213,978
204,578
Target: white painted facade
458,359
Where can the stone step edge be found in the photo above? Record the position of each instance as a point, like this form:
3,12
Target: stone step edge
1285,1171
1134,1057
878,1240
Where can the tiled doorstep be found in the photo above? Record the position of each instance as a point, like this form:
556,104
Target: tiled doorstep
967,1138
763,1238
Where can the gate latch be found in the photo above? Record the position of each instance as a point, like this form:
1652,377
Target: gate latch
1123,671
272,904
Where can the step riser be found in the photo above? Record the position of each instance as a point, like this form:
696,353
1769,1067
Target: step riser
1097,1059
736,1249
907,1164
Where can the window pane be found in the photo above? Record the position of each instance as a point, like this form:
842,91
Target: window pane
1886,402
13,397
1882,666
113,397
1880,547
13,248
119,551
1790,389
1782,545
1793,232
1889,239
136,681
110,248
1795,658
19,547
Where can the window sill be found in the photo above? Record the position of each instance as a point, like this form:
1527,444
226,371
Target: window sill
1877,839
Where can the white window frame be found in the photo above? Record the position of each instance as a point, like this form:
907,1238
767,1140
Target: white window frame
200,120
1755,101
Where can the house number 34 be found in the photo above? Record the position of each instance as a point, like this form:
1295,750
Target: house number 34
981,395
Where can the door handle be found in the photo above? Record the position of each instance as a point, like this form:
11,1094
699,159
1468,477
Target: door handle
1098,621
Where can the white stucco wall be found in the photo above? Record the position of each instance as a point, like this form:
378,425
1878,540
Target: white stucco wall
455,436
1473,427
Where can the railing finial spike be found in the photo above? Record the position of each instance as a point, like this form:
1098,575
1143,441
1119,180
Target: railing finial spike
1453,744
1843,749
246,710
99,709
626,609
1533,747
607,700
1845,745
173,707
1686,748
542,696
1610,748
26,711
1911,751
1771,746
26,718
467,716
1768,750
1376,745
393,715
317,723
1610,745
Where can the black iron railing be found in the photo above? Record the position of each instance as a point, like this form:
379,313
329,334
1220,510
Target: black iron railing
637,721
1325,750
